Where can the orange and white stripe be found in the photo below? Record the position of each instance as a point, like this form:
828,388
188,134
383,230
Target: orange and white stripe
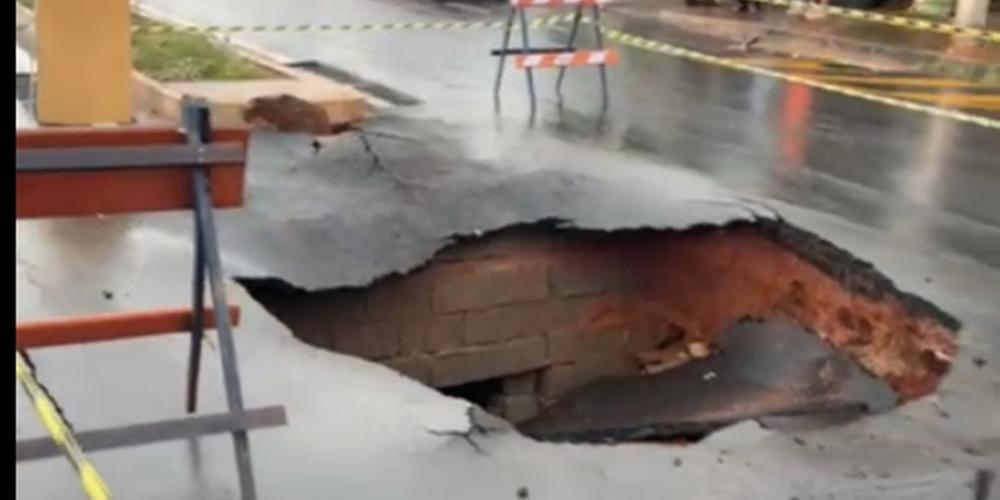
561,59
523,4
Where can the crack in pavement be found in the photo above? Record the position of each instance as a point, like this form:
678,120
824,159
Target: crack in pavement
377,163
376,159
479,424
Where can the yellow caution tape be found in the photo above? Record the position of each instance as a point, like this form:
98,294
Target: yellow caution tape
876,17
664,48
326,28
892,20
58,429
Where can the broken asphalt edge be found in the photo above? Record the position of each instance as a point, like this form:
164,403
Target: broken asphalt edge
854,274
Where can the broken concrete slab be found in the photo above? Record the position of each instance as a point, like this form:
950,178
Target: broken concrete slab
772,368
362,413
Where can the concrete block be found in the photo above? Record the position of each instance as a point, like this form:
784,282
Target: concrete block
400,297
529,319
371,341
523,383
481,363
465,286
519,408
412,334
415,367
445,333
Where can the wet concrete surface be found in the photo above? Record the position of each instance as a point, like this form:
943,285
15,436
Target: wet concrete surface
762,370
916,195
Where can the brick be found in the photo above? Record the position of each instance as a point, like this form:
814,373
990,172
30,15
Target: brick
477,285
415,367
586,273
570,346
372,341
445,333
412,335
556,380
523,383
501,323
519,408
560,379
400,297
504,243
481,363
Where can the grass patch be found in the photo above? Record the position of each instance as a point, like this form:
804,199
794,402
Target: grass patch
172,56
182,56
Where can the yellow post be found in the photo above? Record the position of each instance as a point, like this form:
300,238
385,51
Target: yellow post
84,58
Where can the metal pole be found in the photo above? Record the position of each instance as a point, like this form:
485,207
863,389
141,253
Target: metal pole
602,68
227,348
569,45
198,124
197,318
503,57
525,48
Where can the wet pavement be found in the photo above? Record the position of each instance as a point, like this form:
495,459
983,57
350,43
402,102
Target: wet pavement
868,163
916,195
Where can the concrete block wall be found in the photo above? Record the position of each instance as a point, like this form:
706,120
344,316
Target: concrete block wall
525,303
565,308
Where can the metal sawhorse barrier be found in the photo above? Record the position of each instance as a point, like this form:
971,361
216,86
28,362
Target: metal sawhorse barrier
86,172
528,58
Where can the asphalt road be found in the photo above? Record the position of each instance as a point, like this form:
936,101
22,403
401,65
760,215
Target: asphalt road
919,196
920,179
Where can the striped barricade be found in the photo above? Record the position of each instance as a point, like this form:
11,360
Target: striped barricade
567,59
528,58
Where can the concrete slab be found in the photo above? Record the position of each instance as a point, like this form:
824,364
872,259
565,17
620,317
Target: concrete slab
763,369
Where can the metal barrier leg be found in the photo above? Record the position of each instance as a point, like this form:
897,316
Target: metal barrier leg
602,68
227,348
503,57
569,45
526,49
197,124
197,317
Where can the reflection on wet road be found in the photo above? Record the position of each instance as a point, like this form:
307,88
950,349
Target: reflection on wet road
980,98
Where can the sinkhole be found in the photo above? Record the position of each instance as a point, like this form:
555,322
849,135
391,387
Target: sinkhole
633,335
